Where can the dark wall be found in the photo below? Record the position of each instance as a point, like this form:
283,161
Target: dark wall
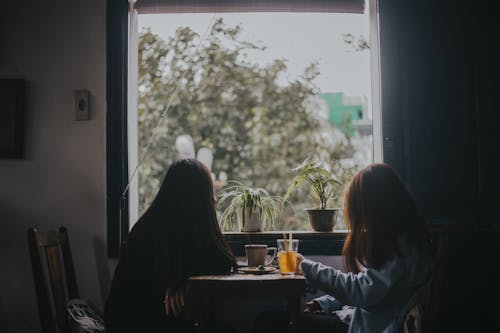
469,294
439,104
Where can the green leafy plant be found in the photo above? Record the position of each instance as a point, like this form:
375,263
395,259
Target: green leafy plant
243,200
315,172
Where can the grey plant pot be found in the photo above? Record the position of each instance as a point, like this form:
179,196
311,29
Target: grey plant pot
322,219
253,221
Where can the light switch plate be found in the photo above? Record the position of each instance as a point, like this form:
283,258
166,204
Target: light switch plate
82,99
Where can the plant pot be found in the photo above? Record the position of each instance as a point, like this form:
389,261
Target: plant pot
322,219
253,222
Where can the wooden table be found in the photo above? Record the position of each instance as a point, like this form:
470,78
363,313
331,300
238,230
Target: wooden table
202,291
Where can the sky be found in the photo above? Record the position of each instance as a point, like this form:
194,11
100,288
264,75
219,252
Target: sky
301,38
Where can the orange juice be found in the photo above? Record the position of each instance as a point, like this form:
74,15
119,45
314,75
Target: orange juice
287,260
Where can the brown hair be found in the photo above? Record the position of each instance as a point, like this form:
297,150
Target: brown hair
379,210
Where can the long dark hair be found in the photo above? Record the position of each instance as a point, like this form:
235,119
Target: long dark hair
379,210
184,219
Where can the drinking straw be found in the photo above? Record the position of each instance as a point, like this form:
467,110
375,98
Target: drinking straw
284,242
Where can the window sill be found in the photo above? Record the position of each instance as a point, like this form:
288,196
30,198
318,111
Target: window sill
311,242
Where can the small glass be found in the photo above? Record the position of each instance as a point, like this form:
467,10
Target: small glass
287,255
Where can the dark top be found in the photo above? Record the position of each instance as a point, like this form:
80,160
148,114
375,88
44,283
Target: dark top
135,301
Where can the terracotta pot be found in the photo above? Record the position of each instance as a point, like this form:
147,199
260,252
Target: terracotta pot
322,219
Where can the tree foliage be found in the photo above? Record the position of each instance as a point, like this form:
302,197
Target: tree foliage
257,128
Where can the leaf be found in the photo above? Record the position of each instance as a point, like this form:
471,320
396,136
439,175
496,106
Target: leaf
322,184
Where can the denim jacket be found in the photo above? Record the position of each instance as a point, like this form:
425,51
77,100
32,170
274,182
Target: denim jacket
381,297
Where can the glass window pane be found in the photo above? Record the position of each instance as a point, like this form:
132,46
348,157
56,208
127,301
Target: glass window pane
252,95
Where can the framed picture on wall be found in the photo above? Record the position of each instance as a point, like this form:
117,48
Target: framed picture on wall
12,94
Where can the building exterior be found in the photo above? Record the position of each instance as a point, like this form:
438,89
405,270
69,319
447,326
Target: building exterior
349,114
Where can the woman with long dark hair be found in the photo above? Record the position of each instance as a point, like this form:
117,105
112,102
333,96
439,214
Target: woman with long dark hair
386,254
176,238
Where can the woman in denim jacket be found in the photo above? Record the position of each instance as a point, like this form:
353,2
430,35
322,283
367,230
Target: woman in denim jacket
386,255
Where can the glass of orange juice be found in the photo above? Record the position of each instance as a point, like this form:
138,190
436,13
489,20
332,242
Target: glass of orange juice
287,255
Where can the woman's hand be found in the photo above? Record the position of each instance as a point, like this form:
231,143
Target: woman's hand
174,302
313,307
300,257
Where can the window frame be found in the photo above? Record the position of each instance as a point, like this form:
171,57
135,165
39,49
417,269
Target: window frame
119,208
116,125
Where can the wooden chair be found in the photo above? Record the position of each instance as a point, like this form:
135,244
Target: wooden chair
54,277
433,293
423,316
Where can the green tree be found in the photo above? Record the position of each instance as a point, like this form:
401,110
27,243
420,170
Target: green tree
257,129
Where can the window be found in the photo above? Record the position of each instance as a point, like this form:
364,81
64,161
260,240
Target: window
250,93
252,88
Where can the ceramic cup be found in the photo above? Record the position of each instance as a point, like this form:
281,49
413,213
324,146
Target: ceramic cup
256,254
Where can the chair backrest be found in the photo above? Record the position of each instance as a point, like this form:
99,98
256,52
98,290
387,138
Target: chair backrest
413,320
432,296
54,277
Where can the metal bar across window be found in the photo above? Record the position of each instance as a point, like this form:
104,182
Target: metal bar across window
229,6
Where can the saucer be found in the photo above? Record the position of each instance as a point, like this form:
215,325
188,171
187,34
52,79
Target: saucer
242,263
258,270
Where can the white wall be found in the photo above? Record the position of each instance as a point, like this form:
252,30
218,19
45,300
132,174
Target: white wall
57,46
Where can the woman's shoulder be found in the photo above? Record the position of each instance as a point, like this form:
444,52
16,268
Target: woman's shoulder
408,246
142,230
408,255
142,240
414,260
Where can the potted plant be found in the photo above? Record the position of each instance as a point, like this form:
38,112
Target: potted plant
249,209
323,188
